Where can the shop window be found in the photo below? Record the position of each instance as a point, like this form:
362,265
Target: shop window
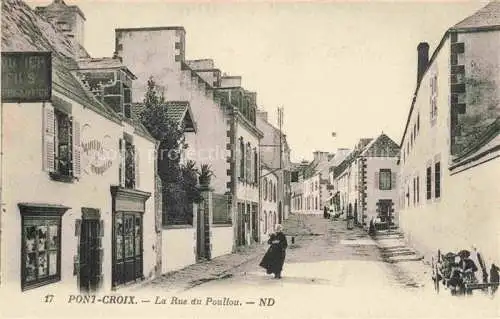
128,258
41,244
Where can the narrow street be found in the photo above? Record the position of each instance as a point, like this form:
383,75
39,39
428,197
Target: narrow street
335,272
330,255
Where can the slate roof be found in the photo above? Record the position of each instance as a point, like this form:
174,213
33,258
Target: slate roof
177,111
104,63
358,149
382,141
24,30
488,16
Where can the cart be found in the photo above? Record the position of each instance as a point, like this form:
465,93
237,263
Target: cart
459,282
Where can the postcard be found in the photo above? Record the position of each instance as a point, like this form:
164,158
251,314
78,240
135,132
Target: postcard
249,159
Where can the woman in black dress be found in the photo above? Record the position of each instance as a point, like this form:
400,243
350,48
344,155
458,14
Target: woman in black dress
274,258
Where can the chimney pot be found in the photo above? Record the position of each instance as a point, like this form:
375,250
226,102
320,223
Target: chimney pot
423,59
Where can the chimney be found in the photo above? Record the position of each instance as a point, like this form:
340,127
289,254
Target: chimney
320,156
69,20
262,115
423,59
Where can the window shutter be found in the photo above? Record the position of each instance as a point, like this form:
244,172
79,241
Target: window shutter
137,168
122,161
248,164
377,183
394,178
49,134
76,159
101,228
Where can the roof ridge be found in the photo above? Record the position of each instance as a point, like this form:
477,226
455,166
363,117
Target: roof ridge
493,7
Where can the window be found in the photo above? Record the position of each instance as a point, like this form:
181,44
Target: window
433,97
61,142
385,179
316,203
41,244
265,222
270,195
127,100
248,157
418,190
264,188
418,122
256,167
242,159
437,180
429,182
408,197
128,169
274,192
414,191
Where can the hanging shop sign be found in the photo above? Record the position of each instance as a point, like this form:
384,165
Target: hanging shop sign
26,76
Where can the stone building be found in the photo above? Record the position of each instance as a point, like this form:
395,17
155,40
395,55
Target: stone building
77,189
280,164
159,53
269,202
244,170
367,182
450,147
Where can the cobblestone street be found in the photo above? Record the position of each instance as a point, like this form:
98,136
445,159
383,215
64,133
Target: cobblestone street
330,266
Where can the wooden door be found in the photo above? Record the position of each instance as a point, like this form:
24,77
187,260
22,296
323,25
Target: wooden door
90,270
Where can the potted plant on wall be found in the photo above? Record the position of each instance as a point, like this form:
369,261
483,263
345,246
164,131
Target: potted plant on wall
206,174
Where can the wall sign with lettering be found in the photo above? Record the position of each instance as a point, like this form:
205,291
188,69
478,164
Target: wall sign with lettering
97,153
26,76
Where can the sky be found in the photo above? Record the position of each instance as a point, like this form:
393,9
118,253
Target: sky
343,67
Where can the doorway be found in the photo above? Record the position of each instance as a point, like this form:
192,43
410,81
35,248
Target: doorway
255,223
384,209
90,263
128,248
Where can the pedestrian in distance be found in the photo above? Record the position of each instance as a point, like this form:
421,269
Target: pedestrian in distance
274,258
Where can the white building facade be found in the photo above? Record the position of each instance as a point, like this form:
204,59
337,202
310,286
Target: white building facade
448,190
78,180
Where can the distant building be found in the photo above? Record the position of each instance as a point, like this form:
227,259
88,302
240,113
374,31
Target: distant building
365,182
310,191
269,202
450,147
280,164
245,163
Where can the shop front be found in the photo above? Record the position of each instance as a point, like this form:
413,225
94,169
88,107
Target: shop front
127,235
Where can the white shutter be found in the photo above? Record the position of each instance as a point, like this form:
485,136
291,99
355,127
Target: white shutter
77,144
137,168
376,182
394,177
121,151
49,135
